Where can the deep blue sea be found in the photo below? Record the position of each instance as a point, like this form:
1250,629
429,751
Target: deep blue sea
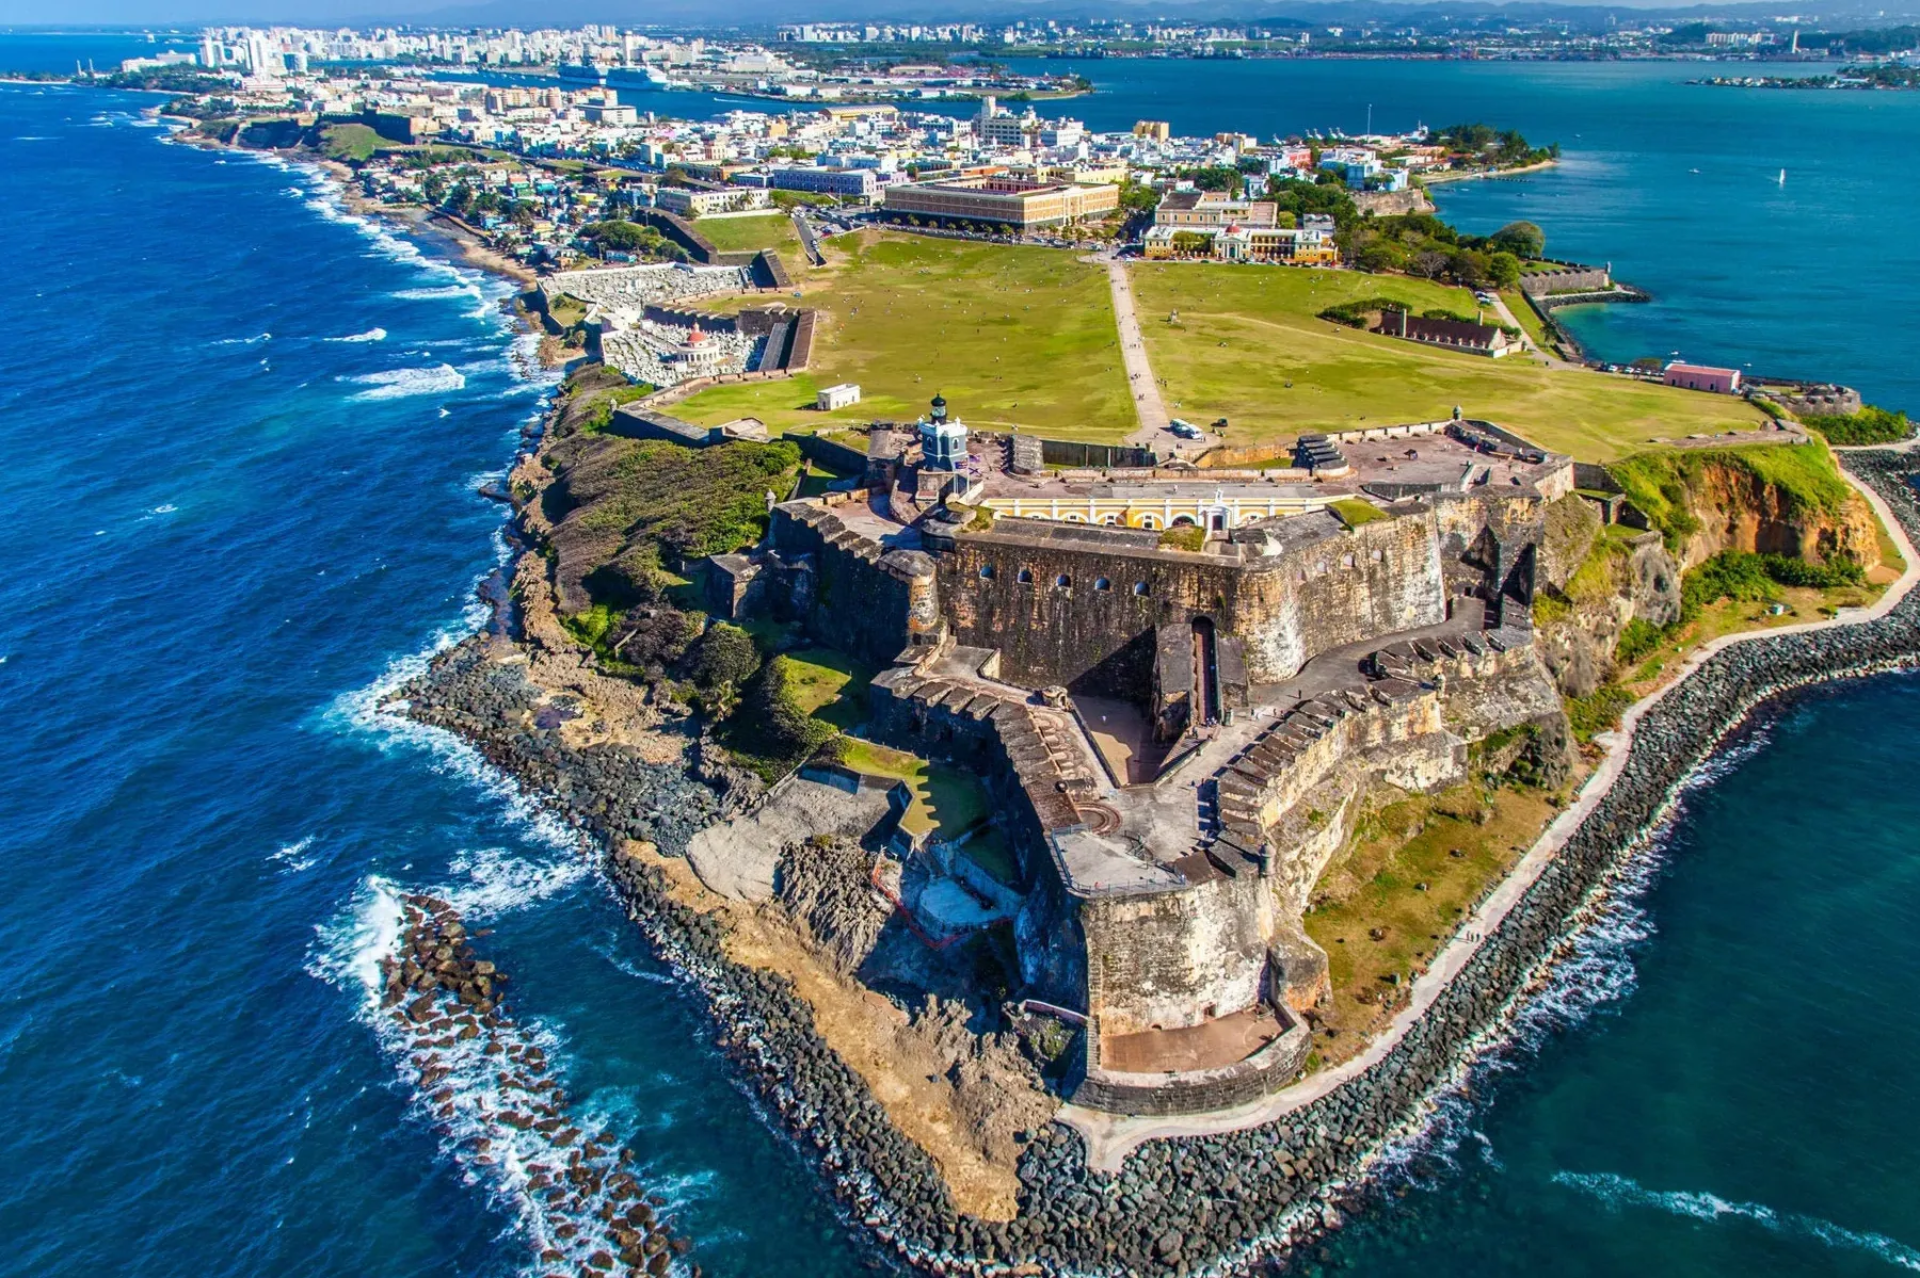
244,436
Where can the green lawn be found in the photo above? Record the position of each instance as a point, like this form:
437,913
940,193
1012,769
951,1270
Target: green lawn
829,685
1010,335
946,801
1517,303
740,234
350,142
1248,347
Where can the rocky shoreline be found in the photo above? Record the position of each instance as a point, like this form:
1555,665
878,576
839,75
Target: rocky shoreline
1216,1203
489,1089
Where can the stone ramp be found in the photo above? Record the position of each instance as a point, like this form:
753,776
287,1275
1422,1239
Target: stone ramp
738,857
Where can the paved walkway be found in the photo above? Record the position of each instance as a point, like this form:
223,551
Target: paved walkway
1147,404
1111,1137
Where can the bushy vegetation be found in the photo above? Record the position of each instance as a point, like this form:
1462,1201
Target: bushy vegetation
1637,639
1489,145
691,503
1598,711
771,732
1185,537
1359,312
1658,483
1750,578
631,237
1870,425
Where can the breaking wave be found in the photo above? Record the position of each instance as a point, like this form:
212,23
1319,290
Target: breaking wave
398,383
371,335
1618,1193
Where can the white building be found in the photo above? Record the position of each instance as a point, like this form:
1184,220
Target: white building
845,395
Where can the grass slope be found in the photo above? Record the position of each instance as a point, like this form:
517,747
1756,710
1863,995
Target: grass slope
1244,334
742,234
1009,335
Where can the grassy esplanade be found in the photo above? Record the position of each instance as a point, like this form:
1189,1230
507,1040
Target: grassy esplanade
1011,335
751,232
1249,346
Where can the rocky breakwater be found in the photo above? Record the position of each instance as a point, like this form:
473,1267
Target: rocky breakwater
494,1099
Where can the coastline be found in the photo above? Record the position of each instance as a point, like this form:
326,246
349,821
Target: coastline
1431,179
887,1187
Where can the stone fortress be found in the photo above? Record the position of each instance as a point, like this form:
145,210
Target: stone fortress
1180,728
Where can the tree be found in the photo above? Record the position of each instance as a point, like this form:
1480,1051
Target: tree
1429,263
1468,268
1504,269
721,661
1522,239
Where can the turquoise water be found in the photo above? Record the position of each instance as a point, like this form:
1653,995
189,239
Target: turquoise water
244,435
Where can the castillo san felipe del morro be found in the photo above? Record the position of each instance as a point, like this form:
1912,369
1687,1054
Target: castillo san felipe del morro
1183,693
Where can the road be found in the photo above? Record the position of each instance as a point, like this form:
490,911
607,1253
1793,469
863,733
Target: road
1506,317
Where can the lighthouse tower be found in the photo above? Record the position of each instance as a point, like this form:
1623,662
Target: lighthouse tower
943,439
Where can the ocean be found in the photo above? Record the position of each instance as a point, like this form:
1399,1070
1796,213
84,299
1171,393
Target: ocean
246,433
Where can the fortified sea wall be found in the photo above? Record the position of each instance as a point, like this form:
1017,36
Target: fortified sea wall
1227,1199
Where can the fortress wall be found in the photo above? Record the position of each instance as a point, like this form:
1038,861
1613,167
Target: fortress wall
853,603
1378,727
1380,578
1176,959
1578,280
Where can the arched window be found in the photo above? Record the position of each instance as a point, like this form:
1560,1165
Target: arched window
1024,576
1151,522
1101,583
1063,581
986,572
1139,587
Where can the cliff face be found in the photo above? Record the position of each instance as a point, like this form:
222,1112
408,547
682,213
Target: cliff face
1740,510
1595,585
1781,500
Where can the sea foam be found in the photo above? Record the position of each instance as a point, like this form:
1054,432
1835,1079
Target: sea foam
1621,1192
398,383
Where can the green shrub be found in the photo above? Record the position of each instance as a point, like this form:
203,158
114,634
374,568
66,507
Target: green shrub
1358,313
1868,426
1186,537
1637,639
1599,711
723,657
1749,578
770,733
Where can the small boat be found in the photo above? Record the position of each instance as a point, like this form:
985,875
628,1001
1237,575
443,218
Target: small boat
1693,170
1783,177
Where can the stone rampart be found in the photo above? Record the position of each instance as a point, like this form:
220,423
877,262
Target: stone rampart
856,596
1569,279
1080,612
1176,959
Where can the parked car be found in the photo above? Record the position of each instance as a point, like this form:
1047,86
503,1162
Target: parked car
1184,429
